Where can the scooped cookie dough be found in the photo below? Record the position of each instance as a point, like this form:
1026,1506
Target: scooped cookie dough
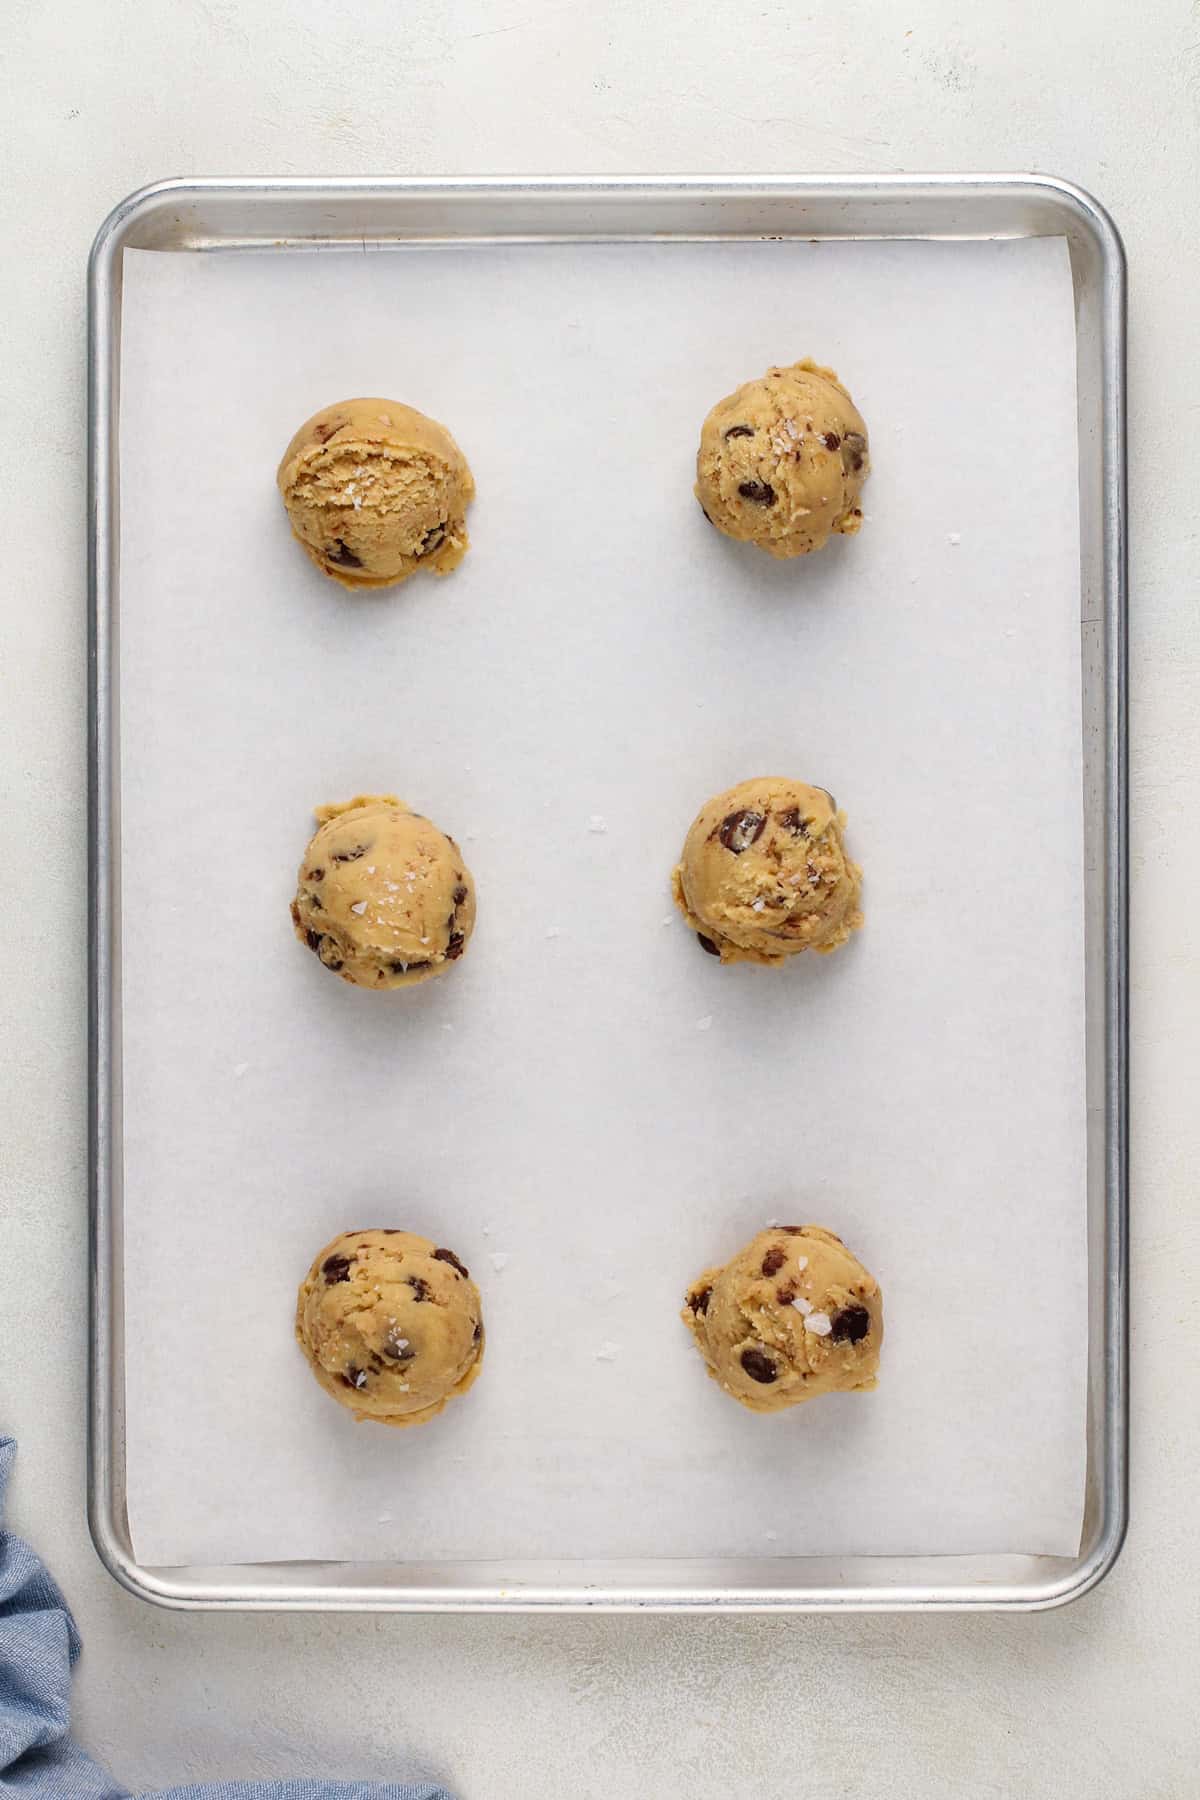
782,461
376,491
391,1325
794,1315
765,874
384,899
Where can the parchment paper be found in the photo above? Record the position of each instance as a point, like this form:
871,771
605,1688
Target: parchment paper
588,1109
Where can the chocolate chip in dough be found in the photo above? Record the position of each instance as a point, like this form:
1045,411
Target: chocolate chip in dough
700,1299
774,1260
707,945
761,492
741,829
759,1366
448,1256
850,1325
341,556
335,1269
739,431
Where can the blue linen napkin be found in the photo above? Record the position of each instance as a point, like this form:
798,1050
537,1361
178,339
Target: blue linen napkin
39,1644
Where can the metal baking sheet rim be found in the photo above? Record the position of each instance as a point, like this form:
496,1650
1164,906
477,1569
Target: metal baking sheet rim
308,213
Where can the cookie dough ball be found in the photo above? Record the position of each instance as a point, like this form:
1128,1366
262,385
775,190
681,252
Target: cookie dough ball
782,461
794,1315
391,1325
765,874
376,491
384,899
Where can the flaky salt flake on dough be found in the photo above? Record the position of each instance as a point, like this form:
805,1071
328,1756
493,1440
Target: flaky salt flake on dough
819,1323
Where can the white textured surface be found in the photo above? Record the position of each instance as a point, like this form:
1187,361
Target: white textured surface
96,99
562,1093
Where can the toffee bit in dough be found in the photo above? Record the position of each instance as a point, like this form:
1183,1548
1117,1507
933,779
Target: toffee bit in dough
415,929
364,1330
375,491
772,1348
782,461
754,888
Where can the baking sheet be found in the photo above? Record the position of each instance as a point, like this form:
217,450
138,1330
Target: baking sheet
588,1109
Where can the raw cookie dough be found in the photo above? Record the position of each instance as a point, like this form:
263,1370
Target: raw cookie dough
764,873
384,899
391,1325
782,461
794,1315
376,491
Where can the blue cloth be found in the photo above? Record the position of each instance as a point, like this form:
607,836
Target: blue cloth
39,1645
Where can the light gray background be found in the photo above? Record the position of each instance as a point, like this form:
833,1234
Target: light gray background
96,99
